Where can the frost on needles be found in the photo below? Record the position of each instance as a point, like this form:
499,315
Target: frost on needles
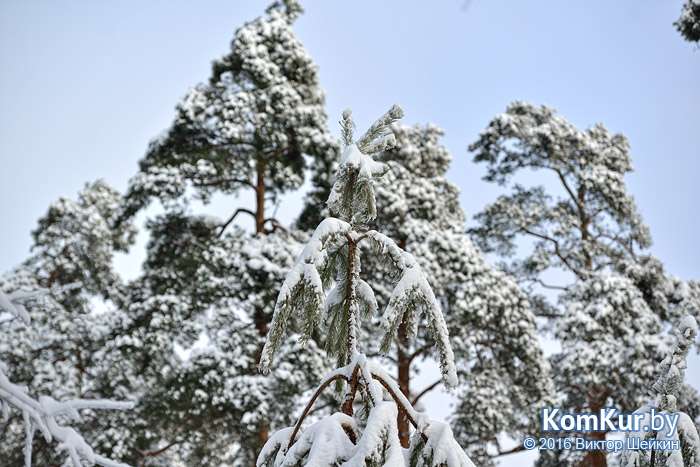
325,287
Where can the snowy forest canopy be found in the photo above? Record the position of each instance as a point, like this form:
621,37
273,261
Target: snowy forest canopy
95,365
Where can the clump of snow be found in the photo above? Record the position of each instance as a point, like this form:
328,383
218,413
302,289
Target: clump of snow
688,326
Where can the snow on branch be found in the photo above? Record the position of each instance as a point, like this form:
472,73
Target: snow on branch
14,302
381,425
303,289
667,386
348,127
379,136
352,195
672,368
42,414
340,437
411,295
333,255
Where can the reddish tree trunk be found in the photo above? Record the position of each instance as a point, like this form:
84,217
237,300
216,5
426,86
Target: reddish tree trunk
404,377
595,458
260,319
260,198
404,372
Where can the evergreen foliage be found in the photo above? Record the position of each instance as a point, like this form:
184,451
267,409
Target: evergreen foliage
325,286
503,374
616,298
220,340
50,351
207,284
688,24
249,128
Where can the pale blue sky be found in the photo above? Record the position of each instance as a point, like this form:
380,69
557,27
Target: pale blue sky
85,85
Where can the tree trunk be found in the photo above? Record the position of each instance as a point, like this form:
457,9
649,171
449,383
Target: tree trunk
260,198
352,300
585,235
595,458
404,372
404,368
260,319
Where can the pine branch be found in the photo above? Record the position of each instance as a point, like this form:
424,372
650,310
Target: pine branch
42,414
425,391
379,129
347,125
233,216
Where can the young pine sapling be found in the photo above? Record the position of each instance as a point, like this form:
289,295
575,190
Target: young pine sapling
325,286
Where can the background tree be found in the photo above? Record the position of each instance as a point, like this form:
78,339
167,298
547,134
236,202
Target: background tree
56,355
503,373
688,25
610,346
589,228
252,127
249,128
46,414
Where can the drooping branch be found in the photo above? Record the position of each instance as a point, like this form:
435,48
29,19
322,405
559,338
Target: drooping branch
358,381
41,414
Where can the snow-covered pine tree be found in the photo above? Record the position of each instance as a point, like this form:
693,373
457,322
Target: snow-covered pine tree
666,389
593,226
55,356
591,231
250,128
688,24
504,377
212,407
331,261
609,346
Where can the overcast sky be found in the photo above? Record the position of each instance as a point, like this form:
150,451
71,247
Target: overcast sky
85,85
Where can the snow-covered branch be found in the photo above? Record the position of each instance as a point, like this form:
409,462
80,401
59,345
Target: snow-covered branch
42,414
14,302
412,294
303,288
